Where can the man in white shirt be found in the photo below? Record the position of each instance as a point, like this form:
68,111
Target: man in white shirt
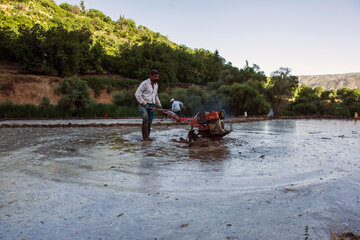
176,106
147,96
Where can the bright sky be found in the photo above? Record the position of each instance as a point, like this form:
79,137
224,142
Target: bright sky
308,36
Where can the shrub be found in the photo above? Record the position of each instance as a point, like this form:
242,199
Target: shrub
126,24
45,102
354,108
307,108
111,110
124,98
70,8
75,96
20,6
94,13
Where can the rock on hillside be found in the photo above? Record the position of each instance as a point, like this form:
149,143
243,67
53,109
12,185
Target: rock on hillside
332,81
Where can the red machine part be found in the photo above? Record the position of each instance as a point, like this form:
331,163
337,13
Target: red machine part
212,116
192,121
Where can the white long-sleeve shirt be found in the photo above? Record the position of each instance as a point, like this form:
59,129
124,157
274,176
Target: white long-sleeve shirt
176,106
146,93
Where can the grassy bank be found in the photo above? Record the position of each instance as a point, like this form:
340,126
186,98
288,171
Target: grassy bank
10,110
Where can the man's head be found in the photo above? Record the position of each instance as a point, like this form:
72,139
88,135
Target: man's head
171,100
154,75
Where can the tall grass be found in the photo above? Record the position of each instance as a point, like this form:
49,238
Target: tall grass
110,110
10,110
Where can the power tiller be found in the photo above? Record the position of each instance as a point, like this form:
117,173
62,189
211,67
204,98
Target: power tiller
208,124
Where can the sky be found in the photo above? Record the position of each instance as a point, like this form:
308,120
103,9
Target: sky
309,36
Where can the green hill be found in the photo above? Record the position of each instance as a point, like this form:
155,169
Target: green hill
63,40
15,13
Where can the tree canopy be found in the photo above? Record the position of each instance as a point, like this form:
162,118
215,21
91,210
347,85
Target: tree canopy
281,87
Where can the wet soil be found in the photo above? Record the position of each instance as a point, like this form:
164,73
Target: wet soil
264,180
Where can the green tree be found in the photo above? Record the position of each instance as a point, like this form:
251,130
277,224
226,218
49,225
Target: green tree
7,44
328,95
82,6
230,75
252,74
97,57
318,91
307,102
350,100
281,87
136,60
243,97
349,96
30,51
329,108
75,97
67,52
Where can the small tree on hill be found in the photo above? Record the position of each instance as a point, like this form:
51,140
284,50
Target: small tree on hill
82,6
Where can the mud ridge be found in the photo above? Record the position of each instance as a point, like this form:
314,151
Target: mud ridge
72,125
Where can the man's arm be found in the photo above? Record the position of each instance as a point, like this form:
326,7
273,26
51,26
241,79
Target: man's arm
157,101
138,94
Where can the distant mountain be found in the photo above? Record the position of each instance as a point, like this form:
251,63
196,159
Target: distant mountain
332,81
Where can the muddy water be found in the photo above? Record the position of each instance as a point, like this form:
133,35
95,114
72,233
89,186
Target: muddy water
265,180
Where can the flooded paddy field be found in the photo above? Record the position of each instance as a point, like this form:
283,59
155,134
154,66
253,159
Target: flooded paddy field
264,180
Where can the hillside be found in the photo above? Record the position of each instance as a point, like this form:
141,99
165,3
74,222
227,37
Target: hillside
16,13
64,40
332,81
20,88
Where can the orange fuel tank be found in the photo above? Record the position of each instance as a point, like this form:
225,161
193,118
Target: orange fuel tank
212,116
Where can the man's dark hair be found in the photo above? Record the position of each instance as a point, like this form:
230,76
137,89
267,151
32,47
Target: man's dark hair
154,71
